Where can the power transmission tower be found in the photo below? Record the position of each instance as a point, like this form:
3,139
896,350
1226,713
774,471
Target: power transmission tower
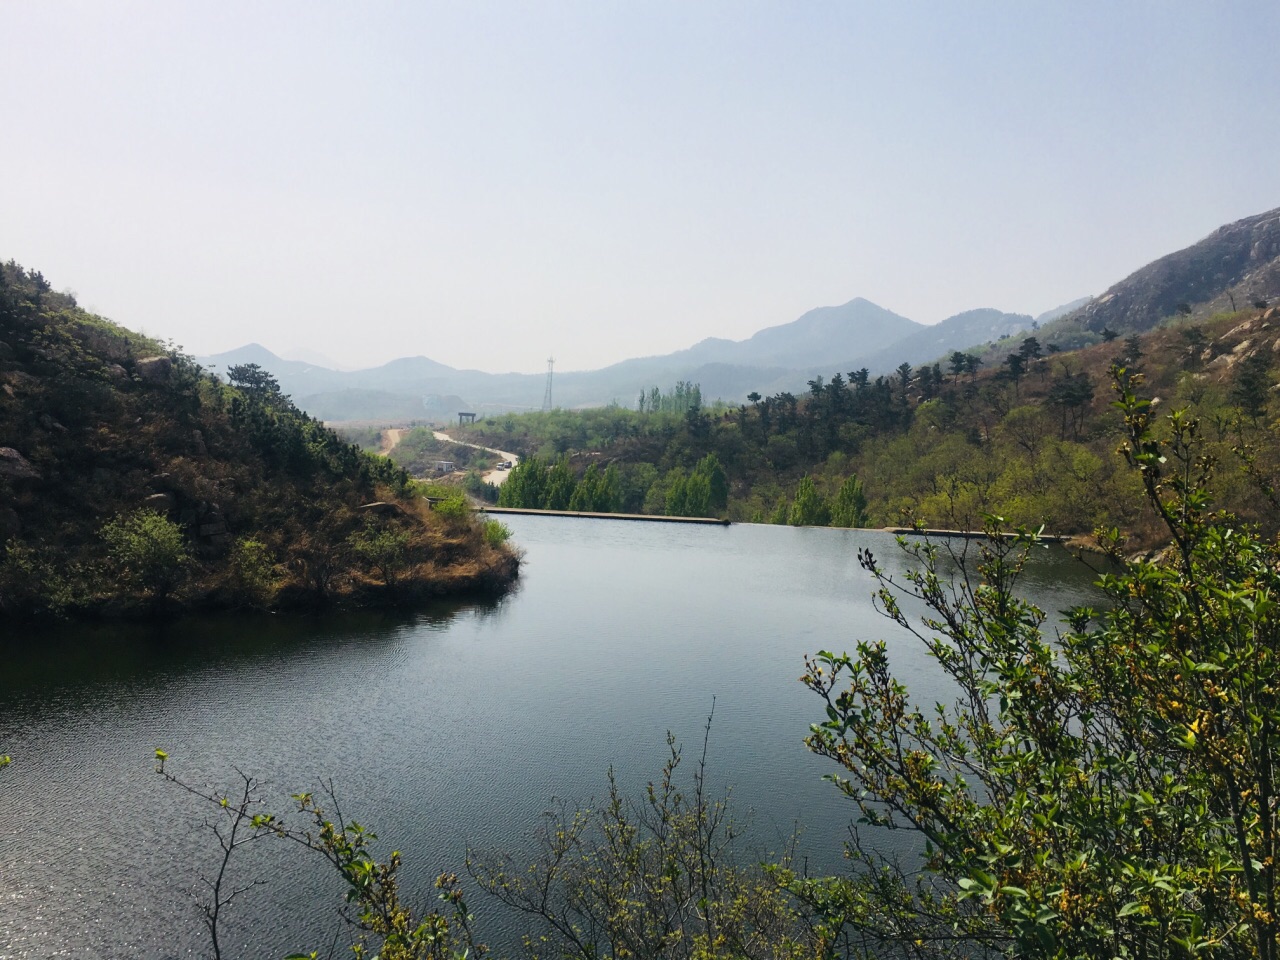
546,397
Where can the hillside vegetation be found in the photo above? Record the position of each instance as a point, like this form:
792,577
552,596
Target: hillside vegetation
133,482
1030,437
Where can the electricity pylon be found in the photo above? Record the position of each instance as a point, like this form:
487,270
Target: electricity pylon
546,397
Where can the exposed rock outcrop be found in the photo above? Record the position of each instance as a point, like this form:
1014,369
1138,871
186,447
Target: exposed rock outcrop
15,465
1235,266
155,369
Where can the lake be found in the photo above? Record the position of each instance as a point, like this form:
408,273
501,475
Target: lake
454,725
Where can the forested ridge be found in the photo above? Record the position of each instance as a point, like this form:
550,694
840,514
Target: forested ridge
1030,435
132,482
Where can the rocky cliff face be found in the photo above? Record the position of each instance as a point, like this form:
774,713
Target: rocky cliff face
1238,262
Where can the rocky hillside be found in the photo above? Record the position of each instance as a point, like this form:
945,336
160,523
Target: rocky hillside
132,482
1236,266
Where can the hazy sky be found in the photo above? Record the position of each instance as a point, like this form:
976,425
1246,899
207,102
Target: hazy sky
491,183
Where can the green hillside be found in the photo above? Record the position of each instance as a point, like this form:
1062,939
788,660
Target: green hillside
1030,436
133,483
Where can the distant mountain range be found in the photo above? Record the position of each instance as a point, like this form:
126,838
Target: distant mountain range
778,358
1235,266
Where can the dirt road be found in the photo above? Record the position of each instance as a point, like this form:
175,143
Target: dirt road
496,477
390,438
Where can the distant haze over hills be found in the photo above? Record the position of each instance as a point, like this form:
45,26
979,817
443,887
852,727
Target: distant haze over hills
822,342
1232,267
853,329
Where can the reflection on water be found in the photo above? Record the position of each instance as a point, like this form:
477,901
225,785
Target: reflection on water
70,655
450,726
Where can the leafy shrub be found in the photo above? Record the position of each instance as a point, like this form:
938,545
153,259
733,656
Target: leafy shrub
496,533
384,549
253,570
31,581
148,550
1108,790
453,508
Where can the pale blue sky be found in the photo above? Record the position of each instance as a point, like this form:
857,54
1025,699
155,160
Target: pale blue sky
490,183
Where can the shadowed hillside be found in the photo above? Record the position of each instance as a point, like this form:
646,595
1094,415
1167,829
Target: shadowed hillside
132,482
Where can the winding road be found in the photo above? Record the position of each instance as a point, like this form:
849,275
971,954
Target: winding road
496,477
391,438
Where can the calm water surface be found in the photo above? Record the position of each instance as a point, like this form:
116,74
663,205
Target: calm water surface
454,726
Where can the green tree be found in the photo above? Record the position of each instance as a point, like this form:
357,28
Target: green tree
677,496
148,550
35,580
904,380
1017,365
712,470
1195,340
560,486
849,509
253,572
971,365
609,492
781,511
1106,791
697,501
598,491
257,383
384,549
1072,396
526,485
1253,383
809,508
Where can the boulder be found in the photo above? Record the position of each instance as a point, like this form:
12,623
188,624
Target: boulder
104,343
18,381
160,502
117,373
155,369
382,508
16,466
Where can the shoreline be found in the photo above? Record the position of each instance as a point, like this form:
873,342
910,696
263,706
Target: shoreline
592,515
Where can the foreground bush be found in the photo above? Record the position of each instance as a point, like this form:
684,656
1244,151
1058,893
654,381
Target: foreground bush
1109,791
